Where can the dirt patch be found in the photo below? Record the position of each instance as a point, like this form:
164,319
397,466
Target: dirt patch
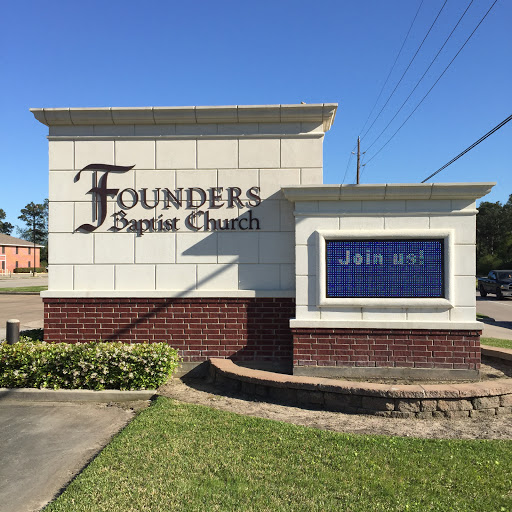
134,406
198,391
492,368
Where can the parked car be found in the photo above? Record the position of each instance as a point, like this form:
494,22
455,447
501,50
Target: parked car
498,282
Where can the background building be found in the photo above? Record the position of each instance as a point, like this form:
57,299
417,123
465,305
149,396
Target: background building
17,253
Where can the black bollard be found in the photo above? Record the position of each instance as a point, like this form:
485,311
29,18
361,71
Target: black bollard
12,331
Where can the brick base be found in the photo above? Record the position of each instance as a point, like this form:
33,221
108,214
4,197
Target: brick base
440,349
242,329
254,330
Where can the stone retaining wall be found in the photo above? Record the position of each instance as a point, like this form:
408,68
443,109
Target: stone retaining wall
487,398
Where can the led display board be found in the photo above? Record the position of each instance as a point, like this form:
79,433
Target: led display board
385,268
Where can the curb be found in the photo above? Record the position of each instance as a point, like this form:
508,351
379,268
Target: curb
497,352
19,293
74,395
229,369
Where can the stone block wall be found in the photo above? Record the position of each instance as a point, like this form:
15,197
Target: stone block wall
232,153
393,211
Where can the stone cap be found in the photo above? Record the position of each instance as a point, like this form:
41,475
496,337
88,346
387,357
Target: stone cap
346,387
323,113
387,191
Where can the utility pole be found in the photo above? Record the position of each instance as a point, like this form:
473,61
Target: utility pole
358,157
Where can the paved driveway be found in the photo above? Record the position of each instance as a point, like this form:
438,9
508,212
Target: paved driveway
43,445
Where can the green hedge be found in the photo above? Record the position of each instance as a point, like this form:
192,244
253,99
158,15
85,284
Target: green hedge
32,335
28,270
95,365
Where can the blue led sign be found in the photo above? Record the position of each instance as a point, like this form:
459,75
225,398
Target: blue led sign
385,268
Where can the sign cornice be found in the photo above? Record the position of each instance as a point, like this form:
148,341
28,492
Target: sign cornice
323,113
387,191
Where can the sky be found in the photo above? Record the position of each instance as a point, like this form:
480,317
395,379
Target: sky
166,53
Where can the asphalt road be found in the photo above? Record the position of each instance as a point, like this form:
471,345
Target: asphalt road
500,311
17,281
28,309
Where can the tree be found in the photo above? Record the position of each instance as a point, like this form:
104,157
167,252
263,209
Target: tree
5,227
490,228
35,217
494,236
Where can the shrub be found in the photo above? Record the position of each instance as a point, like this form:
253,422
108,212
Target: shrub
28,270
32,335
95,365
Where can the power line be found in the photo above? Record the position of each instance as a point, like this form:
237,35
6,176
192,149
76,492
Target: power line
382,89
407,69
435,83
348,165
421,79
481,139
392,68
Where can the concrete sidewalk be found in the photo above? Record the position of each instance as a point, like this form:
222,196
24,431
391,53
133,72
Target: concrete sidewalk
43,445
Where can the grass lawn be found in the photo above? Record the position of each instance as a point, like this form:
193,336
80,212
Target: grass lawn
24,289
495,342
176,456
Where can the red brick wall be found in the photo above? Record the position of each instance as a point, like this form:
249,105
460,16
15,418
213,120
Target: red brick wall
254,329
387,348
